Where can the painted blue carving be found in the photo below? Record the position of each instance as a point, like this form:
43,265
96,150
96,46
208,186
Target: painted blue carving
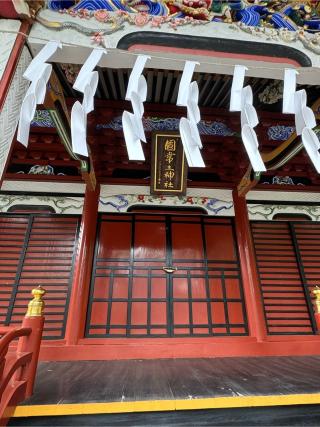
42,118
313,23
288,16
279,21
123,202
214,128
60,4
152,7
280,133
92,5
170,123
216,205
286,180
282,180
251,15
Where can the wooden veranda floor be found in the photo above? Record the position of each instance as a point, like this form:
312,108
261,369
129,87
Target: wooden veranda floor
93,387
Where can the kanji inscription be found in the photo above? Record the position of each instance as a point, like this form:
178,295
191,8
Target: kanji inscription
169,167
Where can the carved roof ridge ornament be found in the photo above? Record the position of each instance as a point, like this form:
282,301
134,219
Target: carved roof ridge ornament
295,102
188,96
86,82
242,100
38,73
132,123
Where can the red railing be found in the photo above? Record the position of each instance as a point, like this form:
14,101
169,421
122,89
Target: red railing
18,363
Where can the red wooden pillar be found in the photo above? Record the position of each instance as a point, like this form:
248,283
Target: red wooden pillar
316,307
82,270
31,344
317,317
251,286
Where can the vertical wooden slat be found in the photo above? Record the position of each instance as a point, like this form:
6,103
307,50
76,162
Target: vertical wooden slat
39,250
285,305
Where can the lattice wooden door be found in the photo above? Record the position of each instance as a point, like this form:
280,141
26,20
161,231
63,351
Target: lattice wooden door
165,275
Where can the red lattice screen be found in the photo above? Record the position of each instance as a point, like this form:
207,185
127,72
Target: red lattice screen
288,256
36,250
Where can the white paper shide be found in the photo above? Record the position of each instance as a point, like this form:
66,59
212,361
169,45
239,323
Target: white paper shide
38,73
188,96
295,102
86,83
242,100
132,123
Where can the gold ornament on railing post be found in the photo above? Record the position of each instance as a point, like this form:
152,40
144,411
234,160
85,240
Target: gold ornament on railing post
36,305
316,293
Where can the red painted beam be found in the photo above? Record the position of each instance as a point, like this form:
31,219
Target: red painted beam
212,53
157,348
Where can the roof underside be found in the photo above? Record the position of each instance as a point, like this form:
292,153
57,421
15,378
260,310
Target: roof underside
223,152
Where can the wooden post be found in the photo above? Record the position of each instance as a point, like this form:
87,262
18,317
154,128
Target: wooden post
316,293
250,278
34,320
82,271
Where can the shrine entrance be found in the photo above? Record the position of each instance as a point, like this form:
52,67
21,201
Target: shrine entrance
161,275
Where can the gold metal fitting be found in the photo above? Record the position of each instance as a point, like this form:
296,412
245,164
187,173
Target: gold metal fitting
36,305
316,293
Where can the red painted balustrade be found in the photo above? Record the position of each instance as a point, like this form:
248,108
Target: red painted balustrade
19,352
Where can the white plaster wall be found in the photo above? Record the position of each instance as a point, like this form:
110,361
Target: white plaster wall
7,40
61,205
267,212
9,115
119,198
44,186
284,196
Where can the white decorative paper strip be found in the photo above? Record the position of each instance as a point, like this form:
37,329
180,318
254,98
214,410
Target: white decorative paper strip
87,69
242,100
190,143
43,56
304,116
312,145
188,96
236,88
184,87
289,89
137,82
295,102
132,123
250,142
87,83
38,72
132,137
89,91
79,129
27,111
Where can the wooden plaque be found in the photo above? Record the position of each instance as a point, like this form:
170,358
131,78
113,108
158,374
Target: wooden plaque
168,164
